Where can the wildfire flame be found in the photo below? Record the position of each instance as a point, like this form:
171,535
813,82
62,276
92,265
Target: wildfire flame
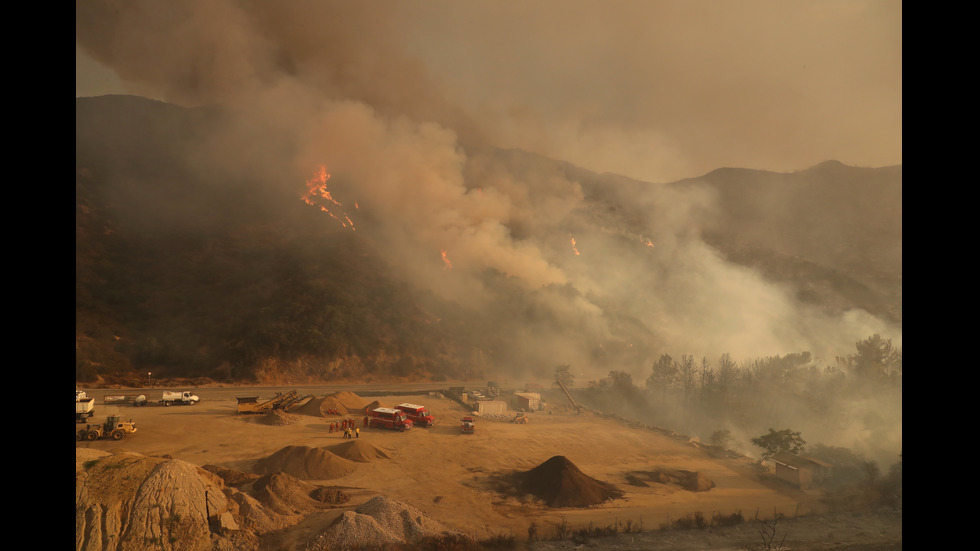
317,194
648,243
573,245
445,260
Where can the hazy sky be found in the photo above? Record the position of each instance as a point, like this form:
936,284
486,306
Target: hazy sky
655,90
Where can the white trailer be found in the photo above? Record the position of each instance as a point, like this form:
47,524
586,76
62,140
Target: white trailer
84,408
181,397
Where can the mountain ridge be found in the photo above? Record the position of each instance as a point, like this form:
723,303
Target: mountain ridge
198,270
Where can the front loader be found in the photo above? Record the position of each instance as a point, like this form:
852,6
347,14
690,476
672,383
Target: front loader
112,428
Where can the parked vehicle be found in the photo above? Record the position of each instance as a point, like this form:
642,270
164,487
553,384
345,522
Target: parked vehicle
389,418
112,428
184,397
84,408
468,425
134,399
420,416
520,419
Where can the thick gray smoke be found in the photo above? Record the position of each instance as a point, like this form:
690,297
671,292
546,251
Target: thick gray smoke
385,96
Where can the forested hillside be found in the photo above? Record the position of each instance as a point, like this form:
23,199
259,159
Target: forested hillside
187,267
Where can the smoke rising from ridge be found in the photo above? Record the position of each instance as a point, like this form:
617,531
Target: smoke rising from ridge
398,118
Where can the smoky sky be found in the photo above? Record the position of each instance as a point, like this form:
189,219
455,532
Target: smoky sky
384,95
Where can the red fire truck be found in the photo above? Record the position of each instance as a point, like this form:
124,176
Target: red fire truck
388,418
420,416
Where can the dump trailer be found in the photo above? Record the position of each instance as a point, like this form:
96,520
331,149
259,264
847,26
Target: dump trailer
131,399
282,400
113,428
181,398
84,408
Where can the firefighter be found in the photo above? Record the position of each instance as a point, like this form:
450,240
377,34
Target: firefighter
365,421
331,428
357,432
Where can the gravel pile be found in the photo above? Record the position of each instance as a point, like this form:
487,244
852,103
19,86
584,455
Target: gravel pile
379,521
277,417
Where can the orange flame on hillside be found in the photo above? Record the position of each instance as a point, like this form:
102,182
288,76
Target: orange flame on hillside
445,260
317,193
648,243
573,244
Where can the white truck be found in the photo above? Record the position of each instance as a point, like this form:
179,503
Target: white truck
181,397
84,407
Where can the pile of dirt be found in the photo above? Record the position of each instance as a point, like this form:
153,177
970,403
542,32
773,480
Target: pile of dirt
559,483
278,417
379,522
126,494
305,462
345,403
358,450
287,495
231,476
374,405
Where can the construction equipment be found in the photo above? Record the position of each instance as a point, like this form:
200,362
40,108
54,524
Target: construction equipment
184,397
468,425
135,399
578,409
282,400
112,428
521,419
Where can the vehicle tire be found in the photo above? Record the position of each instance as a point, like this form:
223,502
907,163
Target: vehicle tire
166,404
91,435
118,434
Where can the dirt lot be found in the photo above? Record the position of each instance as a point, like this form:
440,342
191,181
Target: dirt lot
453,477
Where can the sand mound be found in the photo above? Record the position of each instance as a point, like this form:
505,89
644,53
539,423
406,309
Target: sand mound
305,462
287,495
559,483
346,403
124,496
374,405
230,476
358,450
379,521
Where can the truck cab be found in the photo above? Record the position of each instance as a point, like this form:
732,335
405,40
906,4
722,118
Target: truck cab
419,415
389,418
